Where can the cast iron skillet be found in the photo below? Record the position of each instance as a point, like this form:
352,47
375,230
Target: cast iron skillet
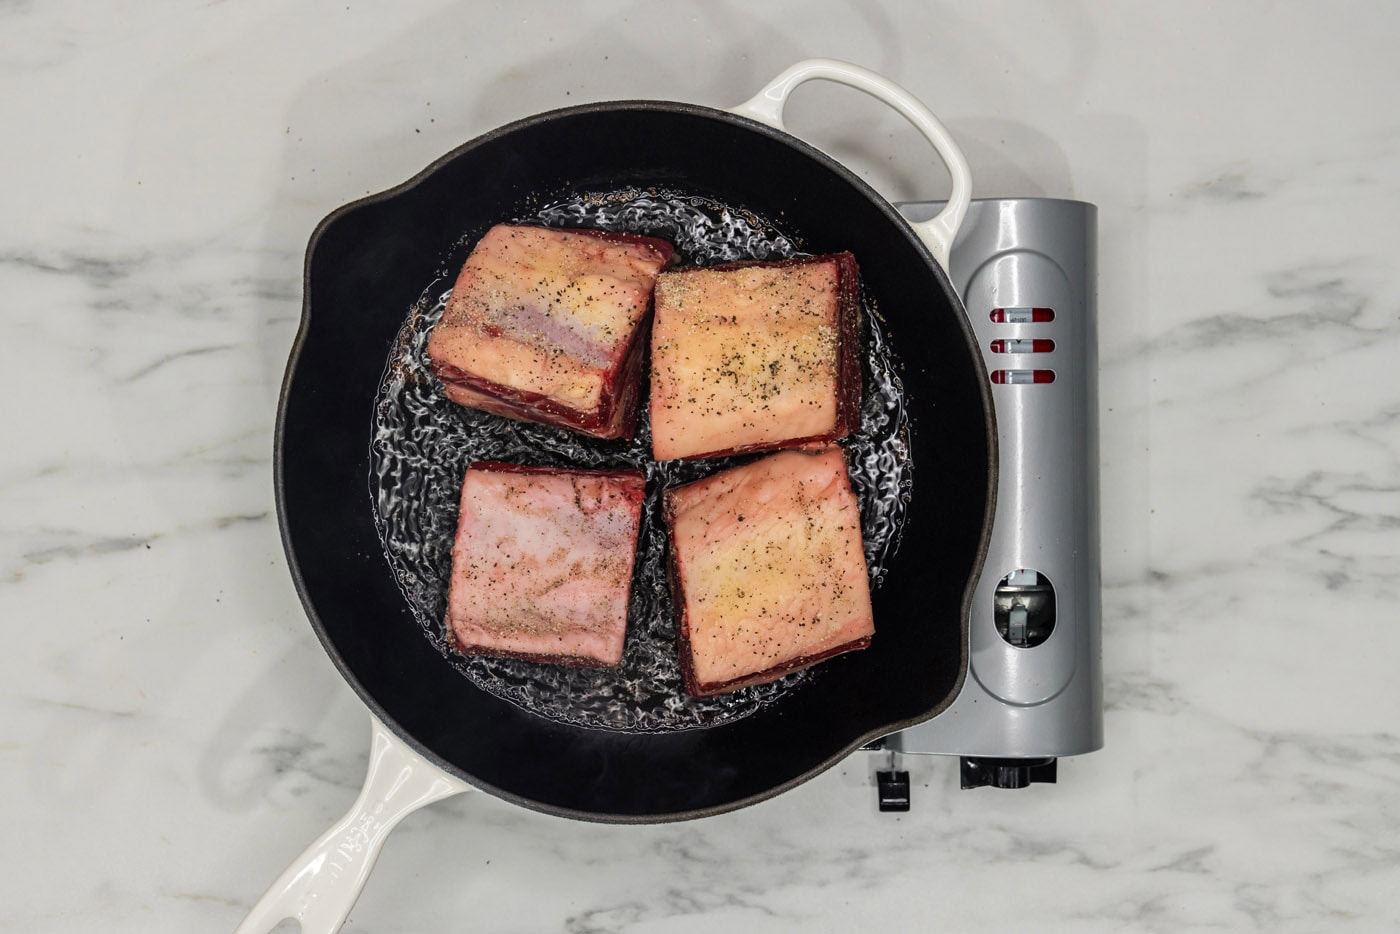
366,265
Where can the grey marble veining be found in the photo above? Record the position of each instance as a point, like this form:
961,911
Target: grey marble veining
170,730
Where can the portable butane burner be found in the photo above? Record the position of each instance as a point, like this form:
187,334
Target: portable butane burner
1026,270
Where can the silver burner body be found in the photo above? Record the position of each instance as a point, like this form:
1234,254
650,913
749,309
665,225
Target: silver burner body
1025,268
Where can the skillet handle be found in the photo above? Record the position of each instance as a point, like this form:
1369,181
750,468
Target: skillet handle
321,885
767,107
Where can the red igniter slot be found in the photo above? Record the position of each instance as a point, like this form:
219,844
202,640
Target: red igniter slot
1022,377
1022,315
1023,345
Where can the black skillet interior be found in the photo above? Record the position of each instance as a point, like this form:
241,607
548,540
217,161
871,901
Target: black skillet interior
368,262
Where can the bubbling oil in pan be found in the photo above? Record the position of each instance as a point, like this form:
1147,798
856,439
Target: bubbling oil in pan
422,443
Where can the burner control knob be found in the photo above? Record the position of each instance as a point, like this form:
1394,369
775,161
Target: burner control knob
1006,773
1024,613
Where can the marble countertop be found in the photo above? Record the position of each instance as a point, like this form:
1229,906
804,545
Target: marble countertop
171,732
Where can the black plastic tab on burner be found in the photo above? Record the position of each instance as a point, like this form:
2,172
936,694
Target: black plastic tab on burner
894,790
1006,773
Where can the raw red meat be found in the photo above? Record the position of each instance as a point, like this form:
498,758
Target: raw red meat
542,563
550,326
767,570
755,357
